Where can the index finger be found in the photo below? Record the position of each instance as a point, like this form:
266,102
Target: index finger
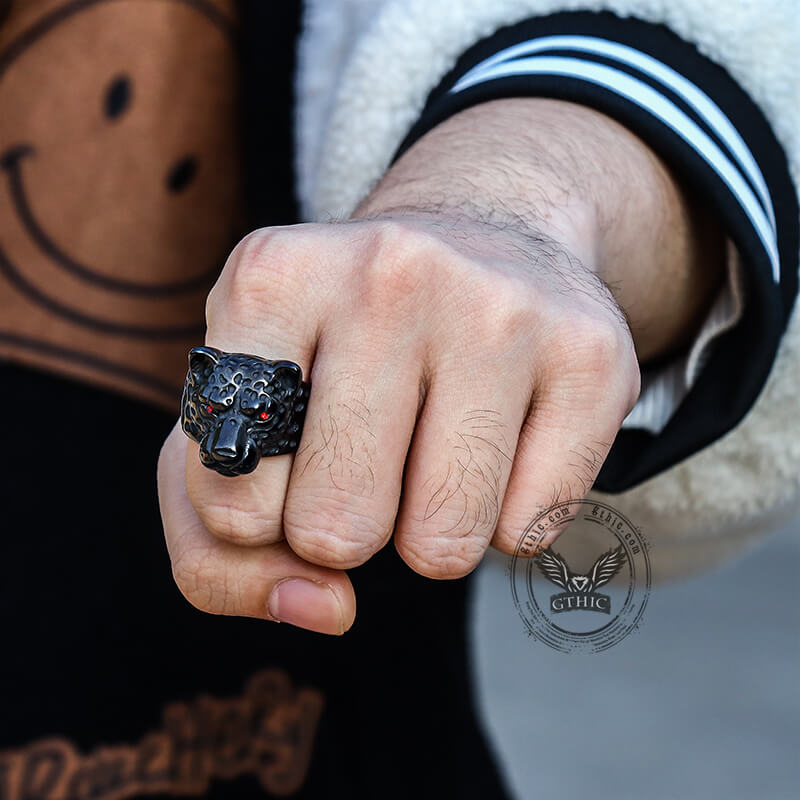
267,581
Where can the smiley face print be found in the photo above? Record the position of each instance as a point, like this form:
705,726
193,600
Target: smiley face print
119,184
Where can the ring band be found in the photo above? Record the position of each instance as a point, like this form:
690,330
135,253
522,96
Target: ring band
240,407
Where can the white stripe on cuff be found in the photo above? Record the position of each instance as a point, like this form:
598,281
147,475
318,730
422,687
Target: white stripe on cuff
705,107
646,97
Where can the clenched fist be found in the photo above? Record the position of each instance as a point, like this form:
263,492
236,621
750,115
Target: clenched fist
469,365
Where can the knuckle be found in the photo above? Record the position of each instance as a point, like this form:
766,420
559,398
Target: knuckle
237,525
196,576
258,269
335,531
394,264
501,312
250,272
612,364
598,349
592,371
444,557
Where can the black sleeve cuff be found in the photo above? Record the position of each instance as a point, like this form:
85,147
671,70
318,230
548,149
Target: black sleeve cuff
715,138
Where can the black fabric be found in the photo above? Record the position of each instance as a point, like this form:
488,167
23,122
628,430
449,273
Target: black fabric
742,359
267,74
97,639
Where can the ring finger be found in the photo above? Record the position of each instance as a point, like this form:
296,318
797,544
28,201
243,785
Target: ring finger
458,470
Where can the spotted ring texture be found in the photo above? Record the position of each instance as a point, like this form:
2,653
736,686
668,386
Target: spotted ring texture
240,407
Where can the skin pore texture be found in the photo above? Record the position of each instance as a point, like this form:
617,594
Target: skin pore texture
473,338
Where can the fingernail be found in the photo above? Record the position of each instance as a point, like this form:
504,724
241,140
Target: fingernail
306,604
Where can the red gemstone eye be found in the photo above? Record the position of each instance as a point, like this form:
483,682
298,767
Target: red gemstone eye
263,416
209,409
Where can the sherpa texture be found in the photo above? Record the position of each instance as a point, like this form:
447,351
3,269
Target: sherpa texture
366,68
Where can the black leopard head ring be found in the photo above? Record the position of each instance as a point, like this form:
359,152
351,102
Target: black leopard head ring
239,407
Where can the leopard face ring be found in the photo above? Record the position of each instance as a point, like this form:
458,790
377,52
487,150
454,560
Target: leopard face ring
239,407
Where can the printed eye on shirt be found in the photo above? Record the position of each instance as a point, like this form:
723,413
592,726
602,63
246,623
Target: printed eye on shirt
119,184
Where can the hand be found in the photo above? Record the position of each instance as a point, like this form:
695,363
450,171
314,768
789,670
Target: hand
496,377
467,371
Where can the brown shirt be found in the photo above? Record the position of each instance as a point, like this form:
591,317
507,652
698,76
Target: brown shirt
119,184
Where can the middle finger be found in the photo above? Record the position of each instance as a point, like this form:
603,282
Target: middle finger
346,480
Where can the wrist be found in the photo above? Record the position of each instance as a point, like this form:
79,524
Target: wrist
543,169
449,193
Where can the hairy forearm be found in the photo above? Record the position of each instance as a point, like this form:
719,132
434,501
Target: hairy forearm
540,167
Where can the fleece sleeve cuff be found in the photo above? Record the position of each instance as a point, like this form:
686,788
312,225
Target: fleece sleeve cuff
718,142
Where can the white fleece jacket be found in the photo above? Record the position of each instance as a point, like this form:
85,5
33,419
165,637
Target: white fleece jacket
365,70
